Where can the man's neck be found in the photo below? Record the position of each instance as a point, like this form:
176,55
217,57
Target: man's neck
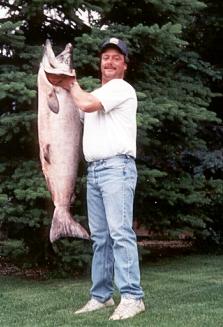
106,80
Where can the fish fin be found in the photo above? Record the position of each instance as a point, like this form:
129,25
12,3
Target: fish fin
53,102
63,225
73,197
46,153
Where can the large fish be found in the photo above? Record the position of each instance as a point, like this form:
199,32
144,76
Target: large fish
59,132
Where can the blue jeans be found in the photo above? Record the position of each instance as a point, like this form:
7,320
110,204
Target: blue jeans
110,194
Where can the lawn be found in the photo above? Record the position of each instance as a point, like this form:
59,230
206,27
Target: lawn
183,291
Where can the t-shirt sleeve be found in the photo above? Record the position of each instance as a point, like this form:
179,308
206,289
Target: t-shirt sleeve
114,93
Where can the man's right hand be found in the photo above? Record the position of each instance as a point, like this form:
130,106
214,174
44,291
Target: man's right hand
64,81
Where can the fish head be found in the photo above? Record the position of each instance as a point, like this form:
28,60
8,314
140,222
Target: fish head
61,64
66,56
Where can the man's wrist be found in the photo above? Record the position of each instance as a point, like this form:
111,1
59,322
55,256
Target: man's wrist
72,85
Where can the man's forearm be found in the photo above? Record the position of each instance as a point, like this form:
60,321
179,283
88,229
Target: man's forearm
85,101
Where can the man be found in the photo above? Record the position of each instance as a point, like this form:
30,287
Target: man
109,145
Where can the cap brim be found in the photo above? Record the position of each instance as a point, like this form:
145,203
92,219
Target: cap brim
115,46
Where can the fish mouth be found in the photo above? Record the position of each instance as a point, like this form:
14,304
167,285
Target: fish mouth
61,64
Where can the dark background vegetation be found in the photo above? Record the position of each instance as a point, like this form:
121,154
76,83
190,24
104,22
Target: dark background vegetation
176,51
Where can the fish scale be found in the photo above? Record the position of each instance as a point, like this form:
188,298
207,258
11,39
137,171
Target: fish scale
59,134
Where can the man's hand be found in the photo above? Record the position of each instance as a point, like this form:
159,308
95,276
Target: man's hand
63,81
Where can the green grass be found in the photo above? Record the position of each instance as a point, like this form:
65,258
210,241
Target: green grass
183,291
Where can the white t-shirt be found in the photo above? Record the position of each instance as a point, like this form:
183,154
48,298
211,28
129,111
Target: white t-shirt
111,131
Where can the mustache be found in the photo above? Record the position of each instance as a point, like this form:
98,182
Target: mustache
109,66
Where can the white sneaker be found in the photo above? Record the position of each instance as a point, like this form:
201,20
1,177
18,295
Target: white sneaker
94,304
127,308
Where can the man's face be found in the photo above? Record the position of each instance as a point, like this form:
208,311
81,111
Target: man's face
112,65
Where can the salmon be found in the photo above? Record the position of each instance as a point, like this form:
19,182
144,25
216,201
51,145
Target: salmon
59,134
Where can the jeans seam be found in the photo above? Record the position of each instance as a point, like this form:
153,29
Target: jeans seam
123,224
106,272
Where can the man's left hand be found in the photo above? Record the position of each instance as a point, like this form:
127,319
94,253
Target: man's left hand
62,80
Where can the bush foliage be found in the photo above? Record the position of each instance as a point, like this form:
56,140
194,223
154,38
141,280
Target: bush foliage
178,78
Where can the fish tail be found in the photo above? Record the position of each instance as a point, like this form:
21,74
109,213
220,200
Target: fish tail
63,225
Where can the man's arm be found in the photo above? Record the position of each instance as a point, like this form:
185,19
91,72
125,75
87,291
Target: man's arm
85,101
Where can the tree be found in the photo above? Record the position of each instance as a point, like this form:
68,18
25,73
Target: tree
173,77
205,36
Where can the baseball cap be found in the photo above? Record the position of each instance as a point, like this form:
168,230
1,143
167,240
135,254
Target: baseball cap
114,42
